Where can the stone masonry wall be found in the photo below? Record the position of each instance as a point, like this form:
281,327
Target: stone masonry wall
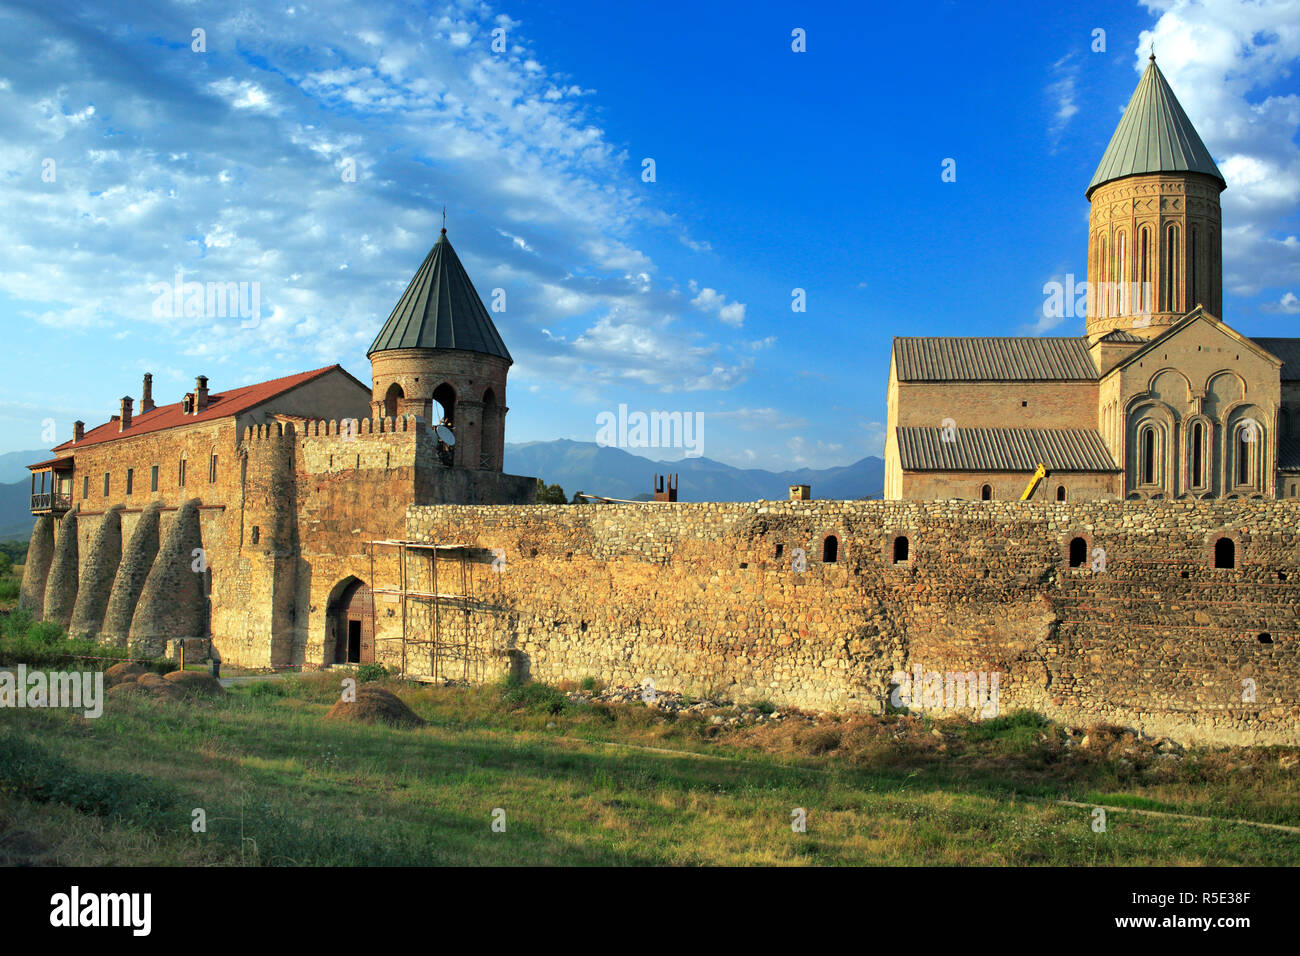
696,598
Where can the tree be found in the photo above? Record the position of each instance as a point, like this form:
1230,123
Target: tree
550,494
577,499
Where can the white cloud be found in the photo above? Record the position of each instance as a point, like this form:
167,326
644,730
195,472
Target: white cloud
1231,64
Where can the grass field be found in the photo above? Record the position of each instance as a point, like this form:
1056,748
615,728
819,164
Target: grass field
591,783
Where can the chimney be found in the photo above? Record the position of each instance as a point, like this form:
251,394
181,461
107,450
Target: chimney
124,421
665,494
800,492
200,394
78,431
146,397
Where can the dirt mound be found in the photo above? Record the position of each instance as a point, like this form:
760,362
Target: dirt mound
123,673
196,683
149,679
375,704
128,689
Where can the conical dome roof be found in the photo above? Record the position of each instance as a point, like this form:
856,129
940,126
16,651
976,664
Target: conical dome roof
1154,136
440,309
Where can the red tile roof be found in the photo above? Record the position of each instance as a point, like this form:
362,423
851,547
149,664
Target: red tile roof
220,405
67,459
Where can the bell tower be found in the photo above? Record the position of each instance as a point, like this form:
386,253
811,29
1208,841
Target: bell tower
1154,235
440,356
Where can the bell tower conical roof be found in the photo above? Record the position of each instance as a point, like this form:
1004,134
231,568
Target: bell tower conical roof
1154,136
440,309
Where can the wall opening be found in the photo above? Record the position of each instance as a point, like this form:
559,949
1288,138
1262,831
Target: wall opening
1225,553
393,400
780,550
986,493
1060,492
830,549
901,549
1147,444
1078,553
349,624
1266,638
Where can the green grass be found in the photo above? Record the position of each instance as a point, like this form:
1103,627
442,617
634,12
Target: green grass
45,644
600,784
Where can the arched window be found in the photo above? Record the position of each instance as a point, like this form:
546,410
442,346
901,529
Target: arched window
900,549
1060,492
1225,553
1144,272
1147,452
1078,552
1121,273
1198,455
986,493
1169,283
445,396
1243,456
1099,293
1193,293
392,400
830,549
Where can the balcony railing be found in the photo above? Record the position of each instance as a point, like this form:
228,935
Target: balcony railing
56,501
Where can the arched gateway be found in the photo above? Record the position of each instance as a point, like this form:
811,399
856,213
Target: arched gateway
350,624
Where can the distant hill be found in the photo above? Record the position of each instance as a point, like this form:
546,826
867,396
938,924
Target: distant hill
16,510
614,473
13,464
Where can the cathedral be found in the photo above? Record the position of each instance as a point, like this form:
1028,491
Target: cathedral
1160,399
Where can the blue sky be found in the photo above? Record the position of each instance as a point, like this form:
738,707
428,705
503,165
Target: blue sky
774,170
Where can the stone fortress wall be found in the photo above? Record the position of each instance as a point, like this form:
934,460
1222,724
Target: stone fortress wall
702,598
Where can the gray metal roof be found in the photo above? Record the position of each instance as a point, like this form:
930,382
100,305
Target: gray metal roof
440,309
984,359
1003,449
1288,350
1154,136
1123,336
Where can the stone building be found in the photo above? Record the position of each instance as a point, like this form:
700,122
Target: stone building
244,518
1159,399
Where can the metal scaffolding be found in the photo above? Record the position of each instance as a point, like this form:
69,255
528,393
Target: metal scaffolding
449,642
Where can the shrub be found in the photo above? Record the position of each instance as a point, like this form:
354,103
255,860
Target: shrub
765,707
370,672
538,698
9,588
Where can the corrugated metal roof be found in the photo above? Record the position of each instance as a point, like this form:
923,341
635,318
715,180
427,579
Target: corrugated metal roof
1003,449
987,359
1124,336
1154,136
1288,350
440,309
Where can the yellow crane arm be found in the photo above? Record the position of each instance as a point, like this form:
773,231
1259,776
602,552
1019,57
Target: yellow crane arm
1037,476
